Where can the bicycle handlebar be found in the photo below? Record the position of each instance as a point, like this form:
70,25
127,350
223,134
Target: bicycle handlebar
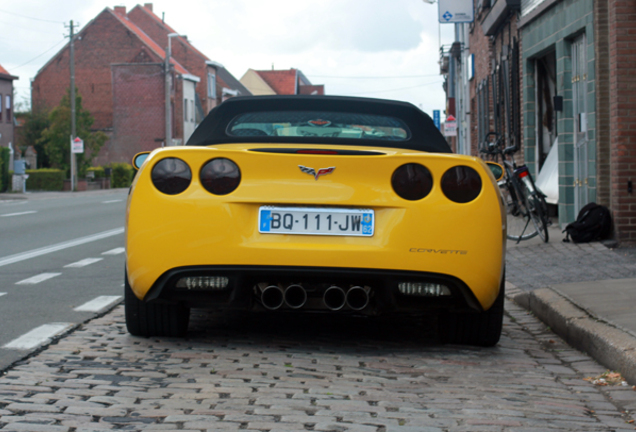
489,147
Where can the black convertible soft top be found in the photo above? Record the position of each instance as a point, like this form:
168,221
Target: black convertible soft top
424,136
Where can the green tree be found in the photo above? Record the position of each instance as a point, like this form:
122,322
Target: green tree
34,124
56,137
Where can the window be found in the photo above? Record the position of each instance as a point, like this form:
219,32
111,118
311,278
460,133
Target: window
8,107
0,107
185,110
321,124
192,111
211,85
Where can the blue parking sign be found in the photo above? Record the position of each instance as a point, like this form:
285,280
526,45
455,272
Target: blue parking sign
436,119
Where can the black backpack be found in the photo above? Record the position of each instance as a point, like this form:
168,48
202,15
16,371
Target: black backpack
594,222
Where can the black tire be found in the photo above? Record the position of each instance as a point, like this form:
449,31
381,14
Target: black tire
480,329
154,319
520,225
539,216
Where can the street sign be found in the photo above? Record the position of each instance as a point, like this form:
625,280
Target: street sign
77,145
450,126
456,11
436,119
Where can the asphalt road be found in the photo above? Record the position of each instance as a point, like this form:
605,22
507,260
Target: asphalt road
57,253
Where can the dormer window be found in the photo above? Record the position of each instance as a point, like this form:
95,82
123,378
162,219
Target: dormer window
211,85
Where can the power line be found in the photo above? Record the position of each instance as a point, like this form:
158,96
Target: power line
38,56
397,89
31,18
373,77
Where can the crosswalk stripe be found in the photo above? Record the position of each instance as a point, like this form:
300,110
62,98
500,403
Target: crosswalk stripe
1,294
38,336
83,263
38,278
60,246
18,214
97,304
115,251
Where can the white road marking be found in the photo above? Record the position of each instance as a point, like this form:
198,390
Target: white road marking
37,279
1,294
56,247
115,251
38,336
97,304
83,263
18,214
111,201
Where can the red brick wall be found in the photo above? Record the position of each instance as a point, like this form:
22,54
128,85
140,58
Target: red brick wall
190,59
480,46
138,116
104,42
602,87
622,107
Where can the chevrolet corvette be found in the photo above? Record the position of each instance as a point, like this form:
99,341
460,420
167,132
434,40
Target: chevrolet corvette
316,204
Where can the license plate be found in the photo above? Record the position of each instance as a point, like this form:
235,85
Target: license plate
316,221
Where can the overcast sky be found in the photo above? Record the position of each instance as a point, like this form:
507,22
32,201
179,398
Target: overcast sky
372,48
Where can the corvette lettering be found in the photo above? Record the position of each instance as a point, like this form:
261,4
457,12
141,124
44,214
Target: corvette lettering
439,251
311,171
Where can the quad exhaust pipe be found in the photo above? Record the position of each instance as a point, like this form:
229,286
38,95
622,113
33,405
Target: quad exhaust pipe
272,297
334,298
294,296
357,298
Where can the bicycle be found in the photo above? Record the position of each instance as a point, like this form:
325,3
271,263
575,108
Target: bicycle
524,202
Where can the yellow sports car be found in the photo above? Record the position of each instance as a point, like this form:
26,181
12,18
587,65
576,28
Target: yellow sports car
320,204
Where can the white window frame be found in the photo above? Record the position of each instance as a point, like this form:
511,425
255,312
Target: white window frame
211,85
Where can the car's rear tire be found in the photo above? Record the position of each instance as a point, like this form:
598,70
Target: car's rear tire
154,319
481,329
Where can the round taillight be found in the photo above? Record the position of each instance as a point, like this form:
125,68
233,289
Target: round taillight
412,181
461,184
220,176
171,176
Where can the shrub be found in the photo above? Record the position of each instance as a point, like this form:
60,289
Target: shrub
121,175
5,180
45,179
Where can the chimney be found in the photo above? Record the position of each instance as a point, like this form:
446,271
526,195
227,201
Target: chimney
148,6
121,11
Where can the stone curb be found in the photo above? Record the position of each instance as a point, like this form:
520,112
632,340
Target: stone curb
609,345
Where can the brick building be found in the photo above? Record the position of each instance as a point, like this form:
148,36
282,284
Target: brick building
280,82
615,26
572,106
217,83
6,109
120,74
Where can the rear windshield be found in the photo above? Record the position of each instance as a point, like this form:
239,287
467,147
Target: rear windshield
319,124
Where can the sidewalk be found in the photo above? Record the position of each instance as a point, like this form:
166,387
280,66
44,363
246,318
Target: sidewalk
586,293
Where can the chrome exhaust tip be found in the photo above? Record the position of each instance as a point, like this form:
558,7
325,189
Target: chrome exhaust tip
357,298
295,296
334,298
272,297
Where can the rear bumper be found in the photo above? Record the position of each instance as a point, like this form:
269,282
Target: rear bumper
242,292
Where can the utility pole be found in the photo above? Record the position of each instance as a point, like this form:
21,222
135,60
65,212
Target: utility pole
73,126
168,140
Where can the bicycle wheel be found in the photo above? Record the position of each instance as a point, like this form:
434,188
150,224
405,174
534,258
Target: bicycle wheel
520,225
538,212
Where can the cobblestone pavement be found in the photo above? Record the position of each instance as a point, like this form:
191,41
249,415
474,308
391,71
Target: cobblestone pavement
307,373
538,265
